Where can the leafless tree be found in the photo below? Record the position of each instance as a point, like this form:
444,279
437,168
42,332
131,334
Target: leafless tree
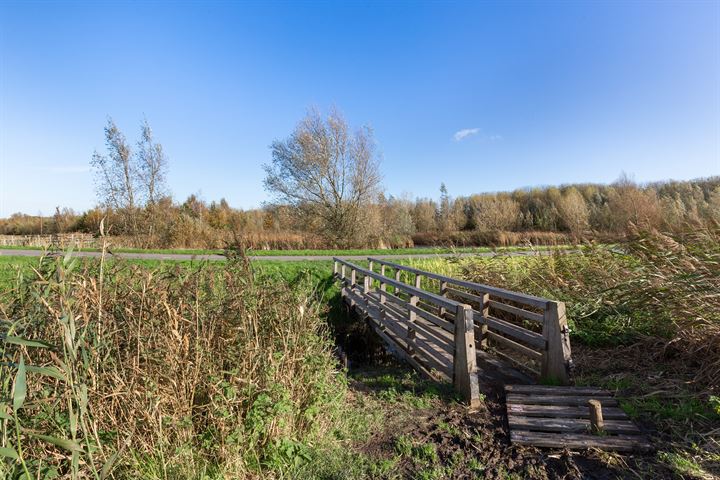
152,165
327,173
116,174
126,181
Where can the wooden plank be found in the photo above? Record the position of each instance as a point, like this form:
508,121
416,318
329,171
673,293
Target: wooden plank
467,296
498,292
438,335
445,325
535,317
522,349
625,443
434,337
402,352
516,362
398,327
433,358
562,411
557,400
576,425
545,389
430,297
489,361
519,333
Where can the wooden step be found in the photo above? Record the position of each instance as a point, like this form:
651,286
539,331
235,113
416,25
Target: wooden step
558,417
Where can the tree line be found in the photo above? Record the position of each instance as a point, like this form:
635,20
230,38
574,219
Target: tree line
326,189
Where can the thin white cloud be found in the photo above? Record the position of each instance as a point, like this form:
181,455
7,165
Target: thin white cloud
464,133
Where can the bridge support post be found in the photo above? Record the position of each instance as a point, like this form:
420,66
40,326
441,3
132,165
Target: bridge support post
465,377
556,361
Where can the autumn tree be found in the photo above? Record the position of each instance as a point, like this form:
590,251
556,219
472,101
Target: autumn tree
573,211
327,173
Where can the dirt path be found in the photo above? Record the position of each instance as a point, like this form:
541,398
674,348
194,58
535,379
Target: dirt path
426,433
281,258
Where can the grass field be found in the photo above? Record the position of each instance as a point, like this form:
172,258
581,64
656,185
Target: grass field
625,337
329,252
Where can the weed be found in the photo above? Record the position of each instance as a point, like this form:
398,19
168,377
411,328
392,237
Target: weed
404,445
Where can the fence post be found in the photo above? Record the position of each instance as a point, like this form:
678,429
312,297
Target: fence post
412,316
335,268
485,310
383,287
556,358
418,280
443,293
465,377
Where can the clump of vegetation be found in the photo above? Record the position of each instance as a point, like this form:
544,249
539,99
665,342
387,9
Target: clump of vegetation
663,286
115,369
650,312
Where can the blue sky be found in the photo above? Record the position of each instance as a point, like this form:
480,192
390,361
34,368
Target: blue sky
482,96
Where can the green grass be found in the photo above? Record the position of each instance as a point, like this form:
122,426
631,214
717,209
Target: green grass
299,253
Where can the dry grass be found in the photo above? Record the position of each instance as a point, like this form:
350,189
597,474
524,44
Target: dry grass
131,373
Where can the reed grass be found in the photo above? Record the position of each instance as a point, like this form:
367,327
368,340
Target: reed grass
115,370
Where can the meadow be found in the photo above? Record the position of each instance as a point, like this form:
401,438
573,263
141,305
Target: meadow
152,369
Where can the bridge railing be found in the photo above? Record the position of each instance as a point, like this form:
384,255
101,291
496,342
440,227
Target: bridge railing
530,332
398,313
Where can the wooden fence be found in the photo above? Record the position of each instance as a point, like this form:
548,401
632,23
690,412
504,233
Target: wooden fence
438,322
61,240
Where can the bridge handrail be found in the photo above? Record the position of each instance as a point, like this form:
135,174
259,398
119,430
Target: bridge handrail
531,300
432,297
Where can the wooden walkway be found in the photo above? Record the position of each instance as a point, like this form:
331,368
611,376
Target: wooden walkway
507,337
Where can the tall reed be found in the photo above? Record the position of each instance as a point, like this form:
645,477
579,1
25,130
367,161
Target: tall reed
118,371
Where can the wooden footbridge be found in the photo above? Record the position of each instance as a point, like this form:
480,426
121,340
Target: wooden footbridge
454,330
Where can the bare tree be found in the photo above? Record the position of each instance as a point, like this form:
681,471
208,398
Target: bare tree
327,173
152,165
116,175
126,181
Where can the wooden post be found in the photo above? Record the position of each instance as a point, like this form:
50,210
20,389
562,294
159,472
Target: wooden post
485,310
597,424
418,280
335,268
443,293
382,269
556,358
465,377
367,282
412,316
370,266
342,271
